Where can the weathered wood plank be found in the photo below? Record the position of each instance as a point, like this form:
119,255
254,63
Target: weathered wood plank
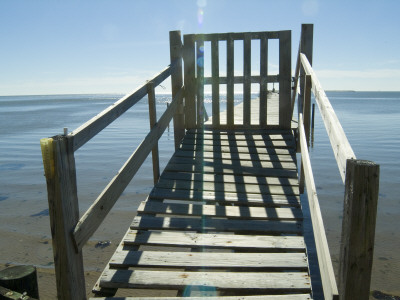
339,142
239,187
200,80
290,282
96,213
285,79
235,155
226,178
247,80
216,241
240,79
190,80
207,225
238,149
226,197
210,260
231,212
230,80
263,80
243,143
153,121
215,81
239,135
324,257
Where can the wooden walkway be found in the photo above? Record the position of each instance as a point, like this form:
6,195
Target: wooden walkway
224,219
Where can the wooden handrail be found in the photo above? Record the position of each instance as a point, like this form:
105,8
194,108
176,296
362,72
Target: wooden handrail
324,258
339,142
96,213
91,128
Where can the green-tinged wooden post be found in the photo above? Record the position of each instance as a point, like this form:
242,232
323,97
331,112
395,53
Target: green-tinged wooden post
189,60
306,47
358,229
60,172
153,120
285,78
306,119
175,43
19,280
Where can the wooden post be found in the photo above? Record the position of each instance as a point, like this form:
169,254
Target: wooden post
21,279
175,44
215,81
153,121
306,119
306,47
263,79
60,172
247,79
230,80
190,81
358,229
285,78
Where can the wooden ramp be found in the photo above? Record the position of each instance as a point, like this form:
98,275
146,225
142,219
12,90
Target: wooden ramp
223,221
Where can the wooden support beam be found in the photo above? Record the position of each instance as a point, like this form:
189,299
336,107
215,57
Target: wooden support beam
175,42
230,80
215,81
306,119
263,80
153,121
247,79
190,81
285,78
200,81
60,172
358,229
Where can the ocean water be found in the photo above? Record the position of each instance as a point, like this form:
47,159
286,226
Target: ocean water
371,121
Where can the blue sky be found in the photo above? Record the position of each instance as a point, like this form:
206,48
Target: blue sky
56,47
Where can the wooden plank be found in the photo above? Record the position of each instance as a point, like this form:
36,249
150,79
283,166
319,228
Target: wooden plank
190,80
264,297
339,142
153,121
239,35
290,282
64,214
238,136
226,149
324,257
175,46
235,155
231,212
215,81
230,80
274,172
200,80
238,187
216,241
210,260
285,79
93,217
88,130
207,225
358,229
244,143
240,79
247,80
306,119
226,197
263,80
226,178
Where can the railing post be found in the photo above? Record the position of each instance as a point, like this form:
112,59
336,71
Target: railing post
285,78
306,47
60,172
153,120
306,119
175,43
358,229
190,80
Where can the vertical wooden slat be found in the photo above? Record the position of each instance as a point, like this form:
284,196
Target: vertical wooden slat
358,229
190,81
263,79
175,44
200,80
60,172
247,79
230,80
153,120
285,78
306,120
215,81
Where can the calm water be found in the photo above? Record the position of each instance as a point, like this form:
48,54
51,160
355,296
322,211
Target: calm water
371,121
